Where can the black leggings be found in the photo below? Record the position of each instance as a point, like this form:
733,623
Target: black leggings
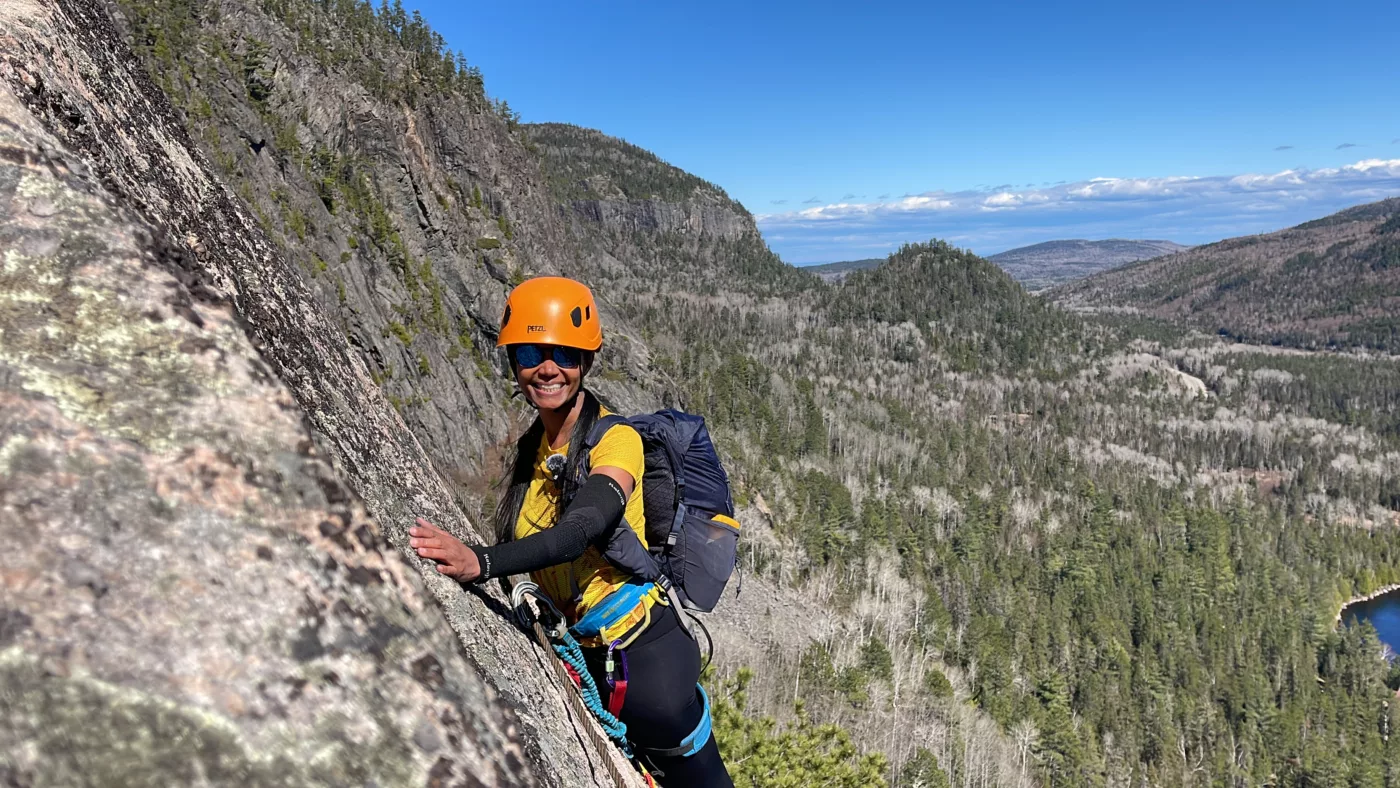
662,705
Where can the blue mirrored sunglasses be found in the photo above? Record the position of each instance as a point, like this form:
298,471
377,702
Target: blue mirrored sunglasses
531,356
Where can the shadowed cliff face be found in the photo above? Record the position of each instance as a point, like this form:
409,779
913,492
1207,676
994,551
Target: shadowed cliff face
212,605
698,218
407,207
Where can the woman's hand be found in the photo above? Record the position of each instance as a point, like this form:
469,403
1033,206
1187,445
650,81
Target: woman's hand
454,559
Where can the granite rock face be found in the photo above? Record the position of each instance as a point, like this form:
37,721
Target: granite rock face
698,218
621,203
190,594
200,596
407,212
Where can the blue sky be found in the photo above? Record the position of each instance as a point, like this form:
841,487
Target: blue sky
793,107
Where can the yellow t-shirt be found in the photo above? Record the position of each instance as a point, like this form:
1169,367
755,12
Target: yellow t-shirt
591,574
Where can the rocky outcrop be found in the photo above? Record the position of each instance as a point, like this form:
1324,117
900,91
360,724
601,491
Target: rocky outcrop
198,598
406,211
604,184
404,224
698,218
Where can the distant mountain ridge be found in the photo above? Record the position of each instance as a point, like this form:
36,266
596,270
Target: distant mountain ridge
1052,263
1333,281
835,272
1039,266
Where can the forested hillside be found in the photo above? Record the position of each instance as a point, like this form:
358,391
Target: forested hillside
1113,539
1041,265
1333,282
997,542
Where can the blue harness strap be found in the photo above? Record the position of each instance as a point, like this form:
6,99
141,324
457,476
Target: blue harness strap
694,741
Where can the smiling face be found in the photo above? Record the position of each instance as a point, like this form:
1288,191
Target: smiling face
549,386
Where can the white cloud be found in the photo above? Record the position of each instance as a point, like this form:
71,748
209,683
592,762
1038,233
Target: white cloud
1390,166
1189,209
1285,178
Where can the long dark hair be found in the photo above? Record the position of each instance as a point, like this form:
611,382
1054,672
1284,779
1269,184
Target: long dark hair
522,469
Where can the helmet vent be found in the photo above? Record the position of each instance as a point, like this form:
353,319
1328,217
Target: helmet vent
506,317
577,317
588,313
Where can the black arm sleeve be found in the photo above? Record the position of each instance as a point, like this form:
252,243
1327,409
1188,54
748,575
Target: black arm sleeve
597,507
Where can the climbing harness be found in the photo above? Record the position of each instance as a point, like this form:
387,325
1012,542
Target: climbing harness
564,641
572,665
618,607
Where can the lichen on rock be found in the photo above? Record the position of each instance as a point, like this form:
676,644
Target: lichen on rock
190,595
209,485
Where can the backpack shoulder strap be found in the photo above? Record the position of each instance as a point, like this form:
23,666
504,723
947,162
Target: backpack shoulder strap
593,438
600,428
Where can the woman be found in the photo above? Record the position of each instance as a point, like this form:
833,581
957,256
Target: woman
551,331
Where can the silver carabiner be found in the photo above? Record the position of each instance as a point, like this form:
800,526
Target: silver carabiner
523,613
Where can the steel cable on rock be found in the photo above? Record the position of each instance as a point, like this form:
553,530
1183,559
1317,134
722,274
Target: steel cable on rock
569,652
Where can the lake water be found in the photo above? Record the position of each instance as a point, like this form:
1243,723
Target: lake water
1384,614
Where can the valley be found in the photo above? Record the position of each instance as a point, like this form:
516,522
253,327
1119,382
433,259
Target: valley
1094,538
1052,263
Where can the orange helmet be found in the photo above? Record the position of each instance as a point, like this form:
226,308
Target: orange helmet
551,310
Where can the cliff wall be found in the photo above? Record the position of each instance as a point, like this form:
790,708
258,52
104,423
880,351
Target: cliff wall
185,458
